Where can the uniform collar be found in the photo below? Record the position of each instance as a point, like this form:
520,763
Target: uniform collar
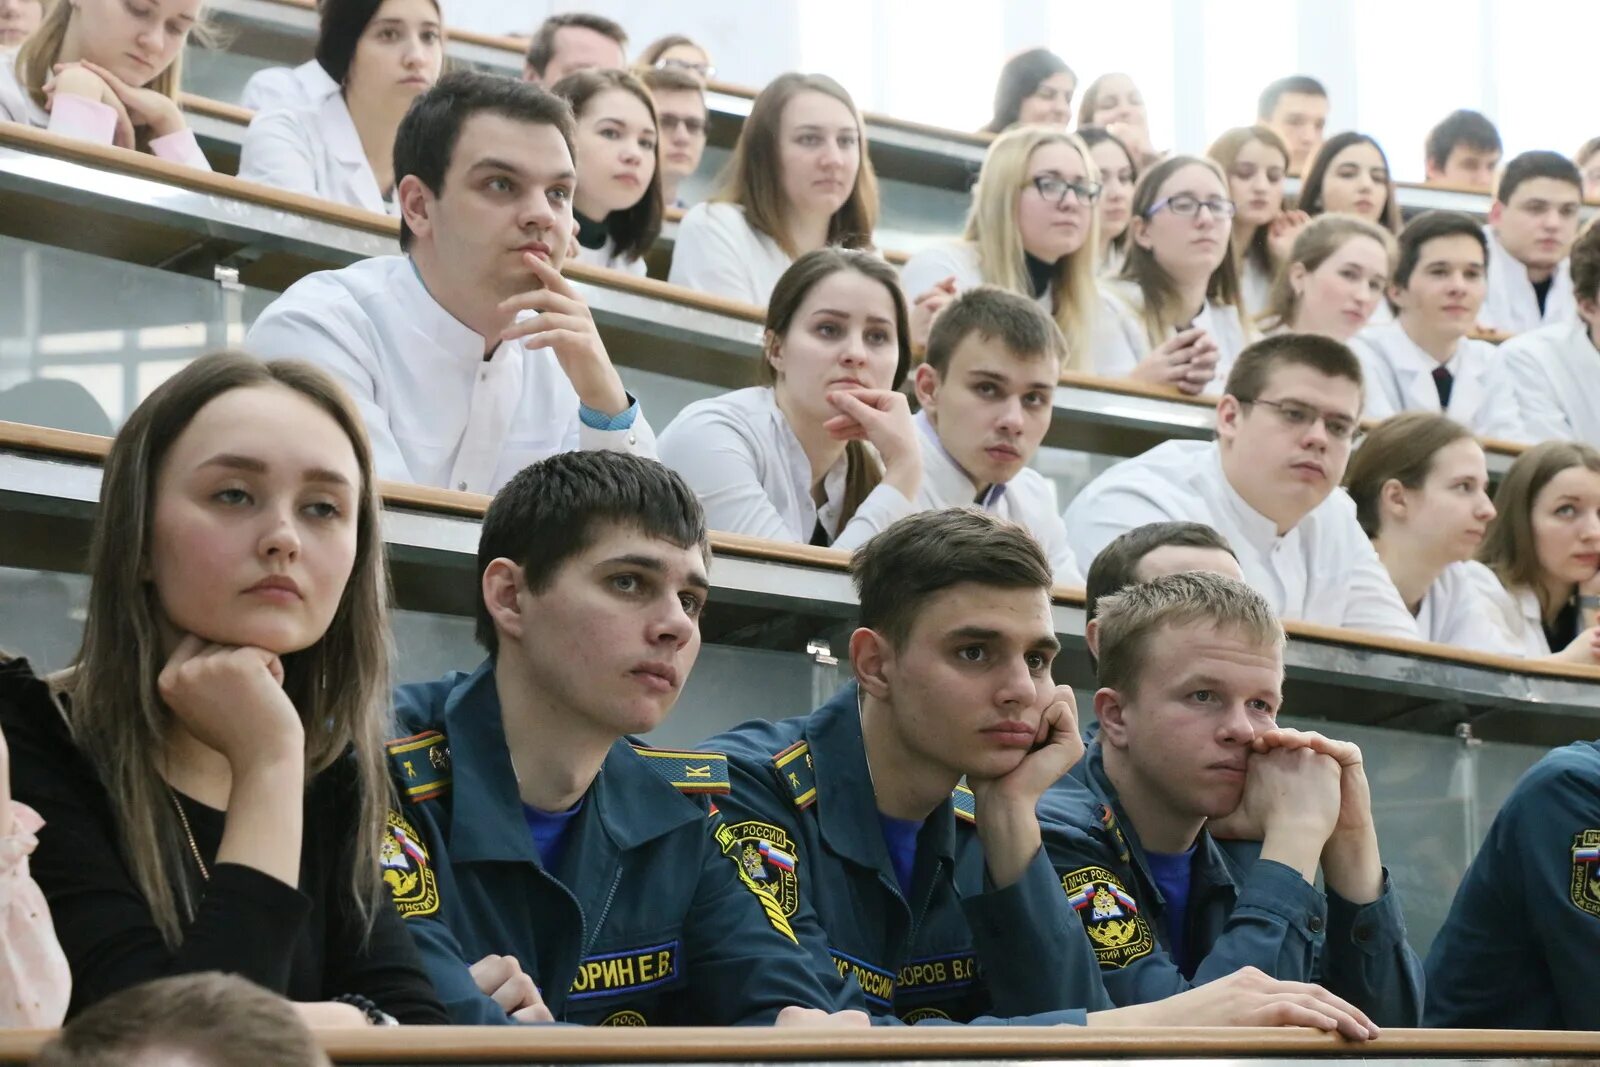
947,480
630,800
847,809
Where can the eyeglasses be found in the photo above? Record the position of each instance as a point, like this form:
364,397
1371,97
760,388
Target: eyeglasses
1187,206
1054,190
671,122
1298,416
705,70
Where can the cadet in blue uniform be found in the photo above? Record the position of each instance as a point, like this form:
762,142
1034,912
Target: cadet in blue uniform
1521,947
1191,669
531,827
941,906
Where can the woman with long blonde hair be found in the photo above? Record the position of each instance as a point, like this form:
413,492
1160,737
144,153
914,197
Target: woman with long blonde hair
1032,229
108,71
211,768
799,179
1256,159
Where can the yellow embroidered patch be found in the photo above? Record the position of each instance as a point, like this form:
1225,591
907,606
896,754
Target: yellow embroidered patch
626,1017
1118,933
406,869
1586,871
766,860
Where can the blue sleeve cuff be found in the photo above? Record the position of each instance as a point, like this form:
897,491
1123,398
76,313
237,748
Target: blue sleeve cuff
599,420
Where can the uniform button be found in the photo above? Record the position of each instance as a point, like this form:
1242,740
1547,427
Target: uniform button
483,376
633,439
1314,924
1363,934
461,486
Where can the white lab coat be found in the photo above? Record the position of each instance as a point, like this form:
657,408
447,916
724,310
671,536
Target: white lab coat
1029,500
1460,610
1399,377
277,88
742,459
1514,612
1323,571
1255,286
313,150
1118,340
606,256
1511,306
438,413
717,252
86,120
1554,372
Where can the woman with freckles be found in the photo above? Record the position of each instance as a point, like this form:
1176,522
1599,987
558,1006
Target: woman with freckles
108,71
210,768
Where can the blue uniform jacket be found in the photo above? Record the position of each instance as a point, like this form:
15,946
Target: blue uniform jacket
1243,911
1521,946
647,924
803,822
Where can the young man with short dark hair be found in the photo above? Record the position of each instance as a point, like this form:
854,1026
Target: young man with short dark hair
682,115
469,356
1296,109
1463,150
534,836
1286,424
937,902
577,41
1554,371
1532,224
1146,553
1191,676
1424,360
987,391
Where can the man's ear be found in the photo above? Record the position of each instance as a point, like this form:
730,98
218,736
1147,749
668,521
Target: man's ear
872,657
926,381
503,585
1432,172
416,204
1496,210
1112,713
1229,409
1091,637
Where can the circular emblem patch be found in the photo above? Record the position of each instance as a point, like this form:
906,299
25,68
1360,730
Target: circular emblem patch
1118,933
406,869
624,1018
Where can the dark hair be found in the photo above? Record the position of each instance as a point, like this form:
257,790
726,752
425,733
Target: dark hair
1538,164
542,48
1019,79
1401,449
1311,186
1294,83
340,29
1426,227
426,140
1012,319
1117,565
897,571
555,508
632,231
862,472
1586,151
1510,548
1253,369
1585,264
1461,127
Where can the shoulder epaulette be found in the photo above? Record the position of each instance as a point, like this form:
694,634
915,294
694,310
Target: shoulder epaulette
421,765
794,767
966,804
689,772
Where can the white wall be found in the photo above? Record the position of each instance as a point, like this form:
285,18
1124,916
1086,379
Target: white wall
1393,67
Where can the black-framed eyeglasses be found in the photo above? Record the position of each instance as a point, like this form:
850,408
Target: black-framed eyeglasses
1298,416
705,70
671,122
1053,190
1187,206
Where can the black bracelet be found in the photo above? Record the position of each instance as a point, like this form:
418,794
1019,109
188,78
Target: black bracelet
375,1015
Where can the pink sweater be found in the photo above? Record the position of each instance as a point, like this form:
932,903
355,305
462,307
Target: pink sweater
34,980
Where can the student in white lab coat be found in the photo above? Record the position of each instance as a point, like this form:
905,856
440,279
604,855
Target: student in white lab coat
1031,231
1268,484
1544,549
825,452
283,88
618,203
1334,279
121,71
1421,487
987,389
1114,210
1532,224
799,179
1554,371
384,54
1173,316
470,356
18,19
1255,159
1424,360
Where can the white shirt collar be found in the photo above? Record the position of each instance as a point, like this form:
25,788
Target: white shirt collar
429,317
949,479
1260,531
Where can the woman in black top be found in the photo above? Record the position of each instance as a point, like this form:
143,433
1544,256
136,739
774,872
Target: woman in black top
210,769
